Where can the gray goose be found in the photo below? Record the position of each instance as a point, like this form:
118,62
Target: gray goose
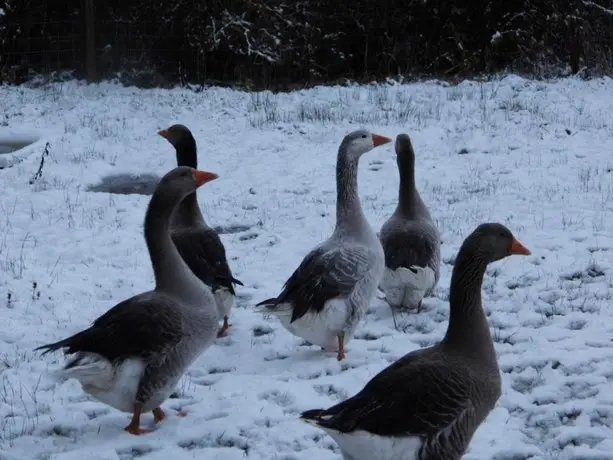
325,298
410,240
133,355
199,244
428,404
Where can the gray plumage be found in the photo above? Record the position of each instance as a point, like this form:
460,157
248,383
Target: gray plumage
326,296
428,404
410,240
198,243
132,357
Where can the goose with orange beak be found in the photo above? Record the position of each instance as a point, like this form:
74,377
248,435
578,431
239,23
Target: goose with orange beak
198,243
132,357
429,403
325,298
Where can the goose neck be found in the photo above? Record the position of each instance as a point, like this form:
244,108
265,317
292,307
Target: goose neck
188,212
187,154
349,213
409,201
169,269
468,330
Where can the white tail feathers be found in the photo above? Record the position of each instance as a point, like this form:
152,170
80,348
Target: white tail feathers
407,286
262,309
419,278
282,309
315,422
224,301
310,422
89,369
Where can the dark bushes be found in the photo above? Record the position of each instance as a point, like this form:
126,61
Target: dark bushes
285,43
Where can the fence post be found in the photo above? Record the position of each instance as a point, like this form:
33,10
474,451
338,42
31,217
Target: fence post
90,41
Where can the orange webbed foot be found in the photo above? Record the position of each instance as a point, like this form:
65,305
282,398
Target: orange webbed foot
224,329
134,425
136,430
158,415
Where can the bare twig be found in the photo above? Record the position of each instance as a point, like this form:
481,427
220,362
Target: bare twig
39,173
599,7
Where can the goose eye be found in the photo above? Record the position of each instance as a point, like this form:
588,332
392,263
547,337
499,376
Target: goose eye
364,136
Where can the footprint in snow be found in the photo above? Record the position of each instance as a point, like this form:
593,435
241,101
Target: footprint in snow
248,236
368,336
220,370
259,331
136,451
331,390
235,228
93,414
275,356
279,398
211,440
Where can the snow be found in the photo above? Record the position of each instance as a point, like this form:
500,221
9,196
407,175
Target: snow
536,156
12,143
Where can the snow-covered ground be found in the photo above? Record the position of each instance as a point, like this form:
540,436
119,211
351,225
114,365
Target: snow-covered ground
535,156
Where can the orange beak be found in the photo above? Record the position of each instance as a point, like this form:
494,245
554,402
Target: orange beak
519,249
202,177
378,140
163,133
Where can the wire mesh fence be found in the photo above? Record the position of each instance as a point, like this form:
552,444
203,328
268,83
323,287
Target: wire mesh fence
47,46
61,46
158,53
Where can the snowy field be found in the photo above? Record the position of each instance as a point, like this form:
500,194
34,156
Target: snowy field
535,156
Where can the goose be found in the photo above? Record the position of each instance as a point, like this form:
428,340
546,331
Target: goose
410,240
325,298
199,244
429,403
133,355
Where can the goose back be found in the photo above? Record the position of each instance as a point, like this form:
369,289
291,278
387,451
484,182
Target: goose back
202,250
431,400
198,244
410,239
324,299
406,243
132,356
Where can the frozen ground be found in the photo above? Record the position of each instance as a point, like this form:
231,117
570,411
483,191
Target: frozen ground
535,156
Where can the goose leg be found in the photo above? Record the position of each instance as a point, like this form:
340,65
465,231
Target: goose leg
419,307
394,318
158,415
224,329
153,377
341,347
134,425
393,309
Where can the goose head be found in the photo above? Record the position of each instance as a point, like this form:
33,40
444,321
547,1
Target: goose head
184,180
181,138
405,157
494,241
176,134
359,142
403,146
